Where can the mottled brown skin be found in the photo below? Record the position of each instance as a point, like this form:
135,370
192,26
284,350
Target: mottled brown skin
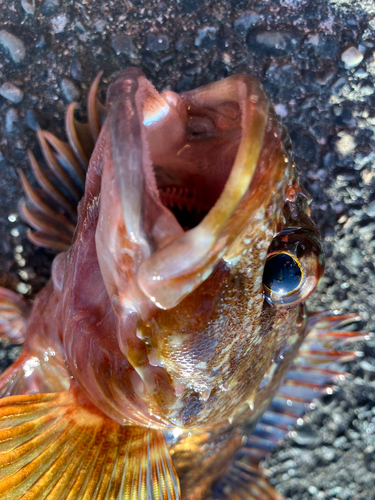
161,327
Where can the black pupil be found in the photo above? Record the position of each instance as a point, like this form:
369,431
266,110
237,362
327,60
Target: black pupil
281,274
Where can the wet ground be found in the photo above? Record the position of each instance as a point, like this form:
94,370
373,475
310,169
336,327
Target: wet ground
316,60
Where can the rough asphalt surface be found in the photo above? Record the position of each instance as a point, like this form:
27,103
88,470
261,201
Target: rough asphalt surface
316,59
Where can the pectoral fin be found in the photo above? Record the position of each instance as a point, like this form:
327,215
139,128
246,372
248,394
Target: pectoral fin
14,312
59,446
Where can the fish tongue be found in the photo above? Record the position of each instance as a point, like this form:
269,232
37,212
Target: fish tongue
175,270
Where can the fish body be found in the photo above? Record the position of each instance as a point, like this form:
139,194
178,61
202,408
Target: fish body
172,320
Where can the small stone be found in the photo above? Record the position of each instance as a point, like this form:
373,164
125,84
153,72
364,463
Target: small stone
367,367
15,46
340,442
100,25
70,91
123,44
33,119
11,92
246,20
281,110
28,6
76,70
49,7
305,437
351,57
273,43
370,209
366,89
205,37
338,85
346,144
156,43
313,39
40,42
327,454
58,23
11,118
313,490
361,73
181,45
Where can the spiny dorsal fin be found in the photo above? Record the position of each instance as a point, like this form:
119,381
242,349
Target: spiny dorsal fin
52,209
59,446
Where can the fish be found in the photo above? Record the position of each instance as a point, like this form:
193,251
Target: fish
171,349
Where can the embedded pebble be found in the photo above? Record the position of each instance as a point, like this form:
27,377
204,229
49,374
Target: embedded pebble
28,6
49,7
40,42
155,43
205,37
58,23
34,119
70,90
273,43
15,46
281,110
246,20
123,44
100,25
11,92
370,210
368,367
11,118
346,144
351,57
76,70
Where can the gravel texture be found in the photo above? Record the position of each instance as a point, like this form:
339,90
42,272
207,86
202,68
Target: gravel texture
316,59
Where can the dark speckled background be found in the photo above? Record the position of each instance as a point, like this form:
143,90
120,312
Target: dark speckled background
294,47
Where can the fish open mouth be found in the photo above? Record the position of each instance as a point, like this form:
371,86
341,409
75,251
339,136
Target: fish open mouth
183,165
193,149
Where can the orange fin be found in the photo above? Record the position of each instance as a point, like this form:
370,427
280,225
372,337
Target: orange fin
14,312
59,446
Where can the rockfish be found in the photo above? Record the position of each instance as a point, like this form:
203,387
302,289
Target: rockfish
171,349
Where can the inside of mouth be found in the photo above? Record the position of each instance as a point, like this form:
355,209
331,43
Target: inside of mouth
193,149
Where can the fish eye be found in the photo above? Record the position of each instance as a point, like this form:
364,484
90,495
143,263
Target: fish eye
293,267
282,273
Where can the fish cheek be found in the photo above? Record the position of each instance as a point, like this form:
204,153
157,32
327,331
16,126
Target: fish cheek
213,347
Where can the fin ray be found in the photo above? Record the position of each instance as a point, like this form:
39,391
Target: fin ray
14,312
55,208
60,447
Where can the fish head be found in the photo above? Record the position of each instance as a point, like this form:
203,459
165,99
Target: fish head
204,245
